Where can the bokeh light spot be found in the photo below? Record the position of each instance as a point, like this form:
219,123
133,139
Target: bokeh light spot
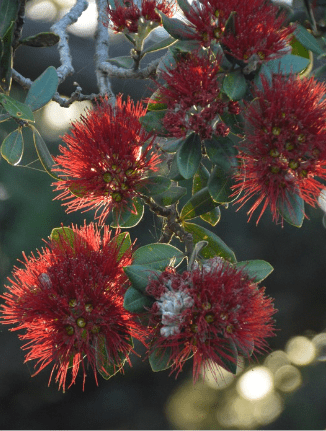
255,383
220,379
319,341
287,378
276,360
43,11
268,408
300,350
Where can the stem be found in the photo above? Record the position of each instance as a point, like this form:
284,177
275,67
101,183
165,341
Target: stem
119,72
19,24
102,50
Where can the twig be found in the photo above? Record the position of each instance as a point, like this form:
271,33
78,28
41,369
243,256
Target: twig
60,28
102,50
118,72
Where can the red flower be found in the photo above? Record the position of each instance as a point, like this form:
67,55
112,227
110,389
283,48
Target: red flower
127,16
285,146
69,300
103,162
192,96
203,312
257,31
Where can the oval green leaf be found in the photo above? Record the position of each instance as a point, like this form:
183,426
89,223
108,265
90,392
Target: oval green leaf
152,186
43,153
43,89
12,147
123,242
126,62
135,301
152,122
288,64
215,246
219,186
257,270
212,217
160,359
41,40
228,355
63,233
160,45
189,156
307,39
175,27
139,275
130,216
173,195
200,203
221,152
200,179
292,209
158,256
16,109
235,85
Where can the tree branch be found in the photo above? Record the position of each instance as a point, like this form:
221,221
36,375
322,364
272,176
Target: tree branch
119,72
60,28
102,50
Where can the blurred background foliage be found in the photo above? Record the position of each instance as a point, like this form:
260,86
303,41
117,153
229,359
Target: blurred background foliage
283,389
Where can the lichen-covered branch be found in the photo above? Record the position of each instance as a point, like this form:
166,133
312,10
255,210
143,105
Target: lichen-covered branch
118,72
102,50
60,28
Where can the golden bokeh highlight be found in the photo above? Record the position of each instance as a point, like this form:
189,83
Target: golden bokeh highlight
237,413
44,10
287,378
319,341
300,350
221,378
56,120
267,409
276,360
256,383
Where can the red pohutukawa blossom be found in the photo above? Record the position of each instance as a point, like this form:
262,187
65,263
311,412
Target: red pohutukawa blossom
127,17
69,301
103,161
285,144
205,311
193,97
258,32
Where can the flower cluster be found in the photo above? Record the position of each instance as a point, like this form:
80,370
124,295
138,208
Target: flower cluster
103,161
256,31
285,146
193,98
127,16
203,312
69,301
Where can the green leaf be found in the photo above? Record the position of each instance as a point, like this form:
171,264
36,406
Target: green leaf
139,275
257,270
152,122
212,217
43,89
174,173
160,359
123,242
287,64
219,186
307,39
63,233
126,62
43,153
298,48
152,186
8,13
130,216
174,194
184,5
155,102
135,302
160,45
215,247
16,109
221,152
228,354
166,63
12,147
184,46
200,179
106,366
158,256
175,27
292,209
235,85
189,156
41,40
6,59
200,203
245,347
170,145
